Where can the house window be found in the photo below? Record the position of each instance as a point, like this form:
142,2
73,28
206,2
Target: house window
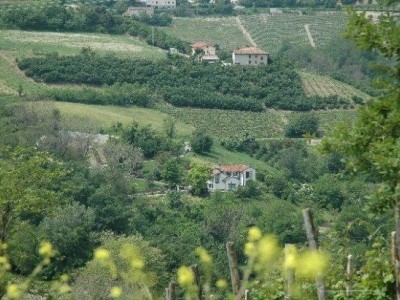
228,174
232,186
249,175
262,57
217,178
249,55
210,186
235,174
255,56
249,62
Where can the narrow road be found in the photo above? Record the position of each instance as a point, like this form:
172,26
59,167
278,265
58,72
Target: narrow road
310,38
245,32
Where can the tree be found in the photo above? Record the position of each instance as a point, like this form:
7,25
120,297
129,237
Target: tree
372,145
198,176
171,173
30,183
302,124
201,142
69,229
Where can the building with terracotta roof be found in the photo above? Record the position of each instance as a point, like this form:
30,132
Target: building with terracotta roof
230,177
249,56
204,47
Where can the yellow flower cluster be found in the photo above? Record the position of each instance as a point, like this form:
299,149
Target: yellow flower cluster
46,249
13,291
263,250
101,254
221,284
308,264
185,276
4,264
132,254
116,292
205,258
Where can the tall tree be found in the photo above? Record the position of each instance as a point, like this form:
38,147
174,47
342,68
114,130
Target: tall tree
372,144
30,182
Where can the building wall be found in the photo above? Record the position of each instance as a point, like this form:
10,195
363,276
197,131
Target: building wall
161,3
223,182
249,59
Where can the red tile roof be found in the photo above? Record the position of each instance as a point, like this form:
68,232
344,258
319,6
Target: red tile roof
230,168
200,44
249,50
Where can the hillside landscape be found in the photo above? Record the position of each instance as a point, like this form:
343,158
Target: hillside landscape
117,134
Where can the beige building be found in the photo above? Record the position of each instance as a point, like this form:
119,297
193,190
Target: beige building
249,56
230,177
137,11
204,47
165,4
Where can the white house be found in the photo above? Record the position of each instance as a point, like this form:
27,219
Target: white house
249,56
165,4
230,177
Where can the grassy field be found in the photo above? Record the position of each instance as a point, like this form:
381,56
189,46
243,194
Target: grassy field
269,31
316,85
223,31
21,43
97,116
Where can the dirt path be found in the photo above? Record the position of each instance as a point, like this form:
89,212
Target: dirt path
245,32
310,38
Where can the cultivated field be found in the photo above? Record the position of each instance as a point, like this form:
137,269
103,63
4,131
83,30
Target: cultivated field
316,85
269,31
222,31
269,124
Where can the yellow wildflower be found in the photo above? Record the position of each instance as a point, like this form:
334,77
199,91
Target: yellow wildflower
221,284
64,289
4,264
137,263
116,292
311,264
46,249
267,249
13,291
101,254
204,256
185,276
250,249
254,234
290,257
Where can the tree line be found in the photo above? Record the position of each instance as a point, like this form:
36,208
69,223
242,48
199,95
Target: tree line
88,18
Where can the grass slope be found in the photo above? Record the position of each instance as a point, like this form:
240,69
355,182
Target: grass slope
223,31
104,116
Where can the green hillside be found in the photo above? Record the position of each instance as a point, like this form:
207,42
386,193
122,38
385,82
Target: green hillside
269,31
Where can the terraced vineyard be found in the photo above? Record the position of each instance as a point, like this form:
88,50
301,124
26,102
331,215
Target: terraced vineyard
269,31
323,86
222,31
